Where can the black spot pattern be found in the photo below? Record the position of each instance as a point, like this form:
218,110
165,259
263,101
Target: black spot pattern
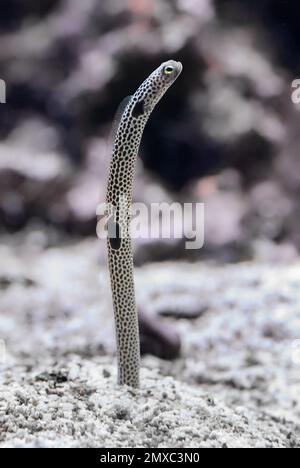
119,199
138,109
114,234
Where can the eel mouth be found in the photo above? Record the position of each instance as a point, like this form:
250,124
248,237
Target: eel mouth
179,67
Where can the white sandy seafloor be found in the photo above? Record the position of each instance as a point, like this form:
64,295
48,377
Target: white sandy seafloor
236,384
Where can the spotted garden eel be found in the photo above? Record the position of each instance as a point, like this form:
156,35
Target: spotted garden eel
133,115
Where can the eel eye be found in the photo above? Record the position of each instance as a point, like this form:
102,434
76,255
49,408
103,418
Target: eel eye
168,70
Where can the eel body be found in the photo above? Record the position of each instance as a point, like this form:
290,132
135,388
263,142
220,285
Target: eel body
128,134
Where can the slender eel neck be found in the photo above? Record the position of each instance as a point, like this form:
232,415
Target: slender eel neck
118,199
125,150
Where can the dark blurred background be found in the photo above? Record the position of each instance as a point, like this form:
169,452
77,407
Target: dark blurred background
226,134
